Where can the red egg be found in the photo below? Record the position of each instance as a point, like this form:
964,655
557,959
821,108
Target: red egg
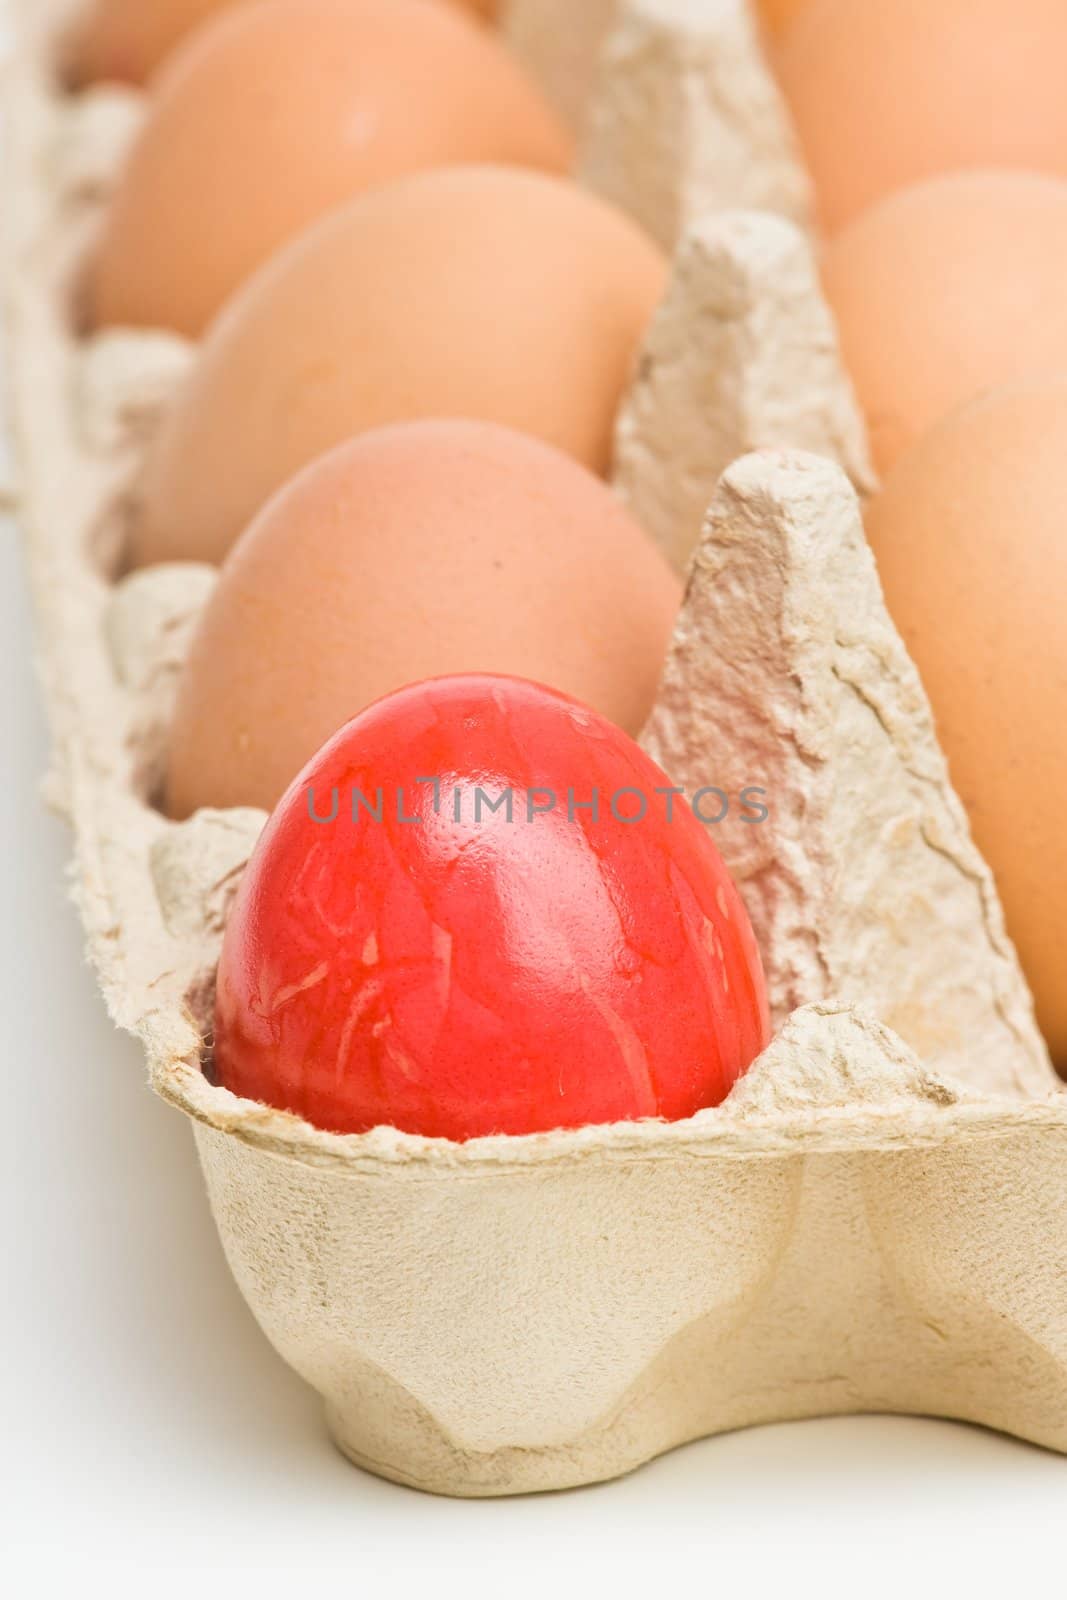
479,910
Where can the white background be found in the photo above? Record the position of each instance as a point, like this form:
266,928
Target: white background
148,1429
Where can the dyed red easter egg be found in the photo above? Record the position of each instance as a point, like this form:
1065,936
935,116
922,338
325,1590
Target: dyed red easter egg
422,939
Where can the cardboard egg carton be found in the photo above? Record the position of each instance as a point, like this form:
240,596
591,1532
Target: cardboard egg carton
876,1219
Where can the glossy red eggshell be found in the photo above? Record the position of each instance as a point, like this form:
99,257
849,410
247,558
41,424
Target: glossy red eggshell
460,978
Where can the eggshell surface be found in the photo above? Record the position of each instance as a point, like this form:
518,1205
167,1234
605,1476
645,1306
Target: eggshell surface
418,550
945,290
281,111
124,41
777,15
458,974
969,537
488,293
885,92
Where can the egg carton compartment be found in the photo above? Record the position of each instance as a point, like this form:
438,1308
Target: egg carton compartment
876,1218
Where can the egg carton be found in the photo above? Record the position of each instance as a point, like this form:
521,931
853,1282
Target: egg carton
876,1218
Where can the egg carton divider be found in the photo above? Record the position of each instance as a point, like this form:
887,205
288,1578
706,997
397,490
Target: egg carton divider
856,1228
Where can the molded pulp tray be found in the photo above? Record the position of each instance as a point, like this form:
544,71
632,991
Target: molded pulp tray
867,1223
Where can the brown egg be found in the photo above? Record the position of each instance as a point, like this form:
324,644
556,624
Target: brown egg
886,92
415,551
479,292
281,111
125,40
969,537
776,15
948,289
